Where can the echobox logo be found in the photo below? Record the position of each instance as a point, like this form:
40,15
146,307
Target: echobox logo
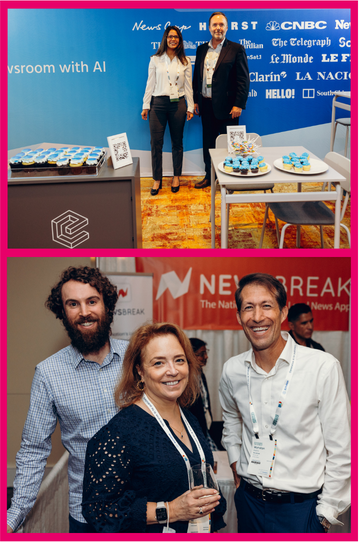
67,229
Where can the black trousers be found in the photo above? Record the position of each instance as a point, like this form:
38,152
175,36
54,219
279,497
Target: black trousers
163,111
257,516
212,127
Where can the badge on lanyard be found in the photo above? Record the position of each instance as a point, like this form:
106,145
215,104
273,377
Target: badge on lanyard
264,450
199,525
202,525
261,462
174,94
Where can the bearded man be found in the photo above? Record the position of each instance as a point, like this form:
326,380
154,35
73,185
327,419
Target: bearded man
73,387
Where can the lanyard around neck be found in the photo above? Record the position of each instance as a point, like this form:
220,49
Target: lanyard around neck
161,421
168,72
280,402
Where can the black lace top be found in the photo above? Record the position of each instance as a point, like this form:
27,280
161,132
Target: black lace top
130,462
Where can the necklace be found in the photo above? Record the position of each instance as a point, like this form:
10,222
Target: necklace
180,432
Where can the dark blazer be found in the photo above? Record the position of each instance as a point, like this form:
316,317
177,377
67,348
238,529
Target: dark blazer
310,343
230,84
197,408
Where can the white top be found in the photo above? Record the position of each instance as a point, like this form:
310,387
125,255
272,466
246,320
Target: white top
313,431
158,83
210,62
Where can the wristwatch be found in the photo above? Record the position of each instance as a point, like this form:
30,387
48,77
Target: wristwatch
161,512
325,523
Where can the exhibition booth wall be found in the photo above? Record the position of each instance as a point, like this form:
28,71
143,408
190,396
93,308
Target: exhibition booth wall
77,76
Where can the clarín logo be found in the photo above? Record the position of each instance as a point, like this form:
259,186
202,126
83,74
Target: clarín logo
67,229
172,282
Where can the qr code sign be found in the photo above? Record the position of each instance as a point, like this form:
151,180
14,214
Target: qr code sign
121,151
236,136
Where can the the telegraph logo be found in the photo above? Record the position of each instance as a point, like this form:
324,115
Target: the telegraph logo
67,229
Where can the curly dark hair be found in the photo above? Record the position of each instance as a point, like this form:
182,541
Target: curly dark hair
86,275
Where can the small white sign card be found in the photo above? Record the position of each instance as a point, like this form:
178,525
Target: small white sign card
120,150
235,136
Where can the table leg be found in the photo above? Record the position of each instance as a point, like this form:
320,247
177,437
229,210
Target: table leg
224,233
333,124
337,217
213,209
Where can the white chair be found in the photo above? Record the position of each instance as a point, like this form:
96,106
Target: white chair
221,143
343,122
311,213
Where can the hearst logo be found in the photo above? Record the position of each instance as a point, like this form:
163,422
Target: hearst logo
296,25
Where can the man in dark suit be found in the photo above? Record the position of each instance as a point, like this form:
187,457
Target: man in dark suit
220,86
300,321
201,408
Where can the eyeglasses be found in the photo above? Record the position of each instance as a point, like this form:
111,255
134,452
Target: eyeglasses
173,38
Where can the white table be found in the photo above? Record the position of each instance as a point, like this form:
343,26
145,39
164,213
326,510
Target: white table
275,176
339,105
226,483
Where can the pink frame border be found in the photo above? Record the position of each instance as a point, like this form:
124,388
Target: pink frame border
5,253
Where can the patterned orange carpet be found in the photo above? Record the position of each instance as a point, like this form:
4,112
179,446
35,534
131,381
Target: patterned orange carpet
182,220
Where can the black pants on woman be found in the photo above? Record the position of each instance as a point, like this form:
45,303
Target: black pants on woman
164,111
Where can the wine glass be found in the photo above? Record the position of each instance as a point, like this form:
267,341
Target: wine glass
203,475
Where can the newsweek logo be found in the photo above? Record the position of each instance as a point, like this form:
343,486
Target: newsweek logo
296,25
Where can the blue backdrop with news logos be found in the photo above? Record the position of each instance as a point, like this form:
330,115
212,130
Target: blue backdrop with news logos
78,75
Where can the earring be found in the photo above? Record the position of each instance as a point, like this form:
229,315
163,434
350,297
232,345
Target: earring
140,385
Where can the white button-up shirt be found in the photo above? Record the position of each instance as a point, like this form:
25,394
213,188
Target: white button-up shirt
158,83
210,62
313,432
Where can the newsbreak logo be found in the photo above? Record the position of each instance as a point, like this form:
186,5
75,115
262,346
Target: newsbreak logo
172,282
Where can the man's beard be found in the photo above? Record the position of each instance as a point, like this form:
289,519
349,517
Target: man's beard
87,342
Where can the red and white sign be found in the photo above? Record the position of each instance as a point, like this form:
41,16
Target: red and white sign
198,292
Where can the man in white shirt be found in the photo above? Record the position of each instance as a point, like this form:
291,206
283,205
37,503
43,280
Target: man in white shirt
286,422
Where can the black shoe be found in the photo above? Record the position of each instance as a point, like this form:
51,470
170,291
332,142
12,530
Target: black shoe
203,184
175,189
154,191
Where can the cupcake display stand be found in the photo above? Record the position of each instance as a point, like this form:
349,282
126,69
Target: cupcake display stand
100,210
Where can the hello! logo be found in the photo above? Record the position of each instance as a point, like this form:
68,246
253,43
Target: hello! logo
171,282
67,229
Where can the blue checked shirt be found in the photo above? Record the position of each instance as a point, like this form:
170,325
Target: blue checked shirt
79,395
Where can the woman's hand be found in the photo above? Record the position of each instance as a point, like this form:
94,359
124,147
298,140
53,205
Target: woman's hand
189,115
192,503
144,114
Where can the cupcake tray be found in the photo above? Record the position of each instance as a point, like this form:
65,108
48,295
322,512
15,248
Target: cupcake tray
317,167
55,171
243,176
